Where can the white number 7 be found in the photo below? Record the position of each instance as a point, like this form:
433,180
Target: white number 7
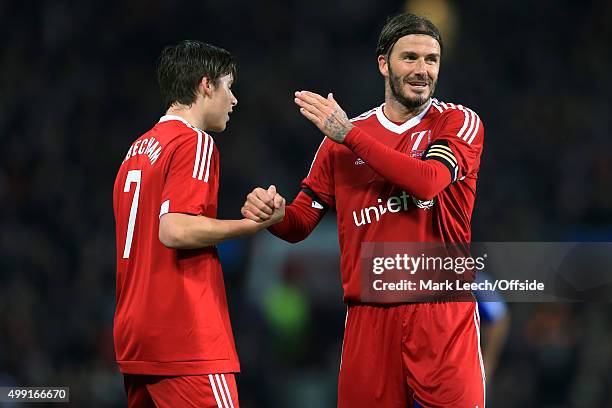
133,176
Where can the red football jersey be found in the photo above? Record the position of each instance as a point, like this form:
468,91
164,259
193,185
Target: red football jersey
371,209
171,316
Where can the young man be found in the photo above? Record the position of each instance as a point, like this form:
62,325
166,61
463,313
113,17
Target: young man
402,172
173,339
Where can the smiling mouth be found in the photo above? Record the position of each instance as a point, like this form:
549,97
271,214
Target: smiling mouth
418,84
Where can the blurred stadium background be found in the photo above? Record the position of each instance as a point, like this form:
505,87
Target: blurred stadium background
78,85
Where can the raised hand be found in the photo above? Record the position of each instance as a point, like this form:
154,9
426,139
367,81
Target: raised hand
326,114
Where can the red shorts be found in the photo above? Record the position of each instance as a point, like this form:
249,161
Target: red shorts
423,352
203,391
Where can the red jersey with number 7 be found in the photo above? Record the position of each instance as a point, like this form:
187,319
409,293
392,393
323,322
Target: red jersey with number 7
171,313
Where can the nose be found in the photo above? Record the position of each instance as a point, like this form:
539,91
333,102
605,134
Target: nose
421,67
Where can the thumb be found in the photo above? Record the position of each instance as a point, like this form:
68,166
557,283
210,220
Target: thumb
272,190
278,201
330,96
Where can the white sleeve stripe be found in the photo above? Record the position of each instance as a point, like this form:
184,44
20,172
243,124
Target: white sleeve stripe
197,156
201,172
465,123
212,146
221,391
364,114
165,207
468,133
229,395
471,120
214,389
475,129
315,157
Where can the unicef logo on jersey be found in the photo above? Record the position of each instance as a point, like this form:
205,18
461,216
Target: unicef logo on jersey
394,204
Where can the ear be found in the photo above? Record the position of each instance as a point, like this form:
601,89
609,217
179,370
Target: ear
206,87
382,66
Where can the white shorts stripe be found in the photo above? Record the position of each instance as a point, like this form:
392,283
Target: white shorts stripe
482,370
214,389
227,391
197,156
221,391
475,129
212,146
203,161
342,349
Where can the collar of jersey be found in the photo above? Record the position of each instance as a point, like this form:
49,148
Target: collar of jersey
399,129
166,118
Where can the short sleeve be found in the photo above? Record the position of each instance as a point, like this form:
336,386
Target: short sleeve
457,143
190,175
319,183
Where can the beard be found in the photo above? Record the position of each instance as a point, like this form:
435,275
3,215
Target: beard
397,89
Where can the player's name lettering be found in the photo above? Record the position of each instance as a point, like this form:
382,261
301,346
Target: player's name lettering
150,147
394,204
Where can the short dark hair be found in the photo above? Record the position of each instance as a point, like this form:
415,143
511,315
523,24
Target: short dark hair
401,25
181,67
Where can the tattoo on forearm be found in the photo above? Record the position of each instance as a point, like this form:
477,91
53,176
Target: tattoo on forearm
337,125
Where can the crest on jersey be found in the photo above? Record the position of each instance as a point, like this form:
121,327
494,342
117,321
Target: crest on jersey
419,142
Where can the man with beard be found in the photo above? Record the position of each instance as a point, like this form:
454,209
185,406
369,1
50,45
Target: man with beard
405,171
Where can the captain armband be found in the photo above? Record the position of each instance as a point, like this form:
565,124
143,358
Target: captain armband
440,151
